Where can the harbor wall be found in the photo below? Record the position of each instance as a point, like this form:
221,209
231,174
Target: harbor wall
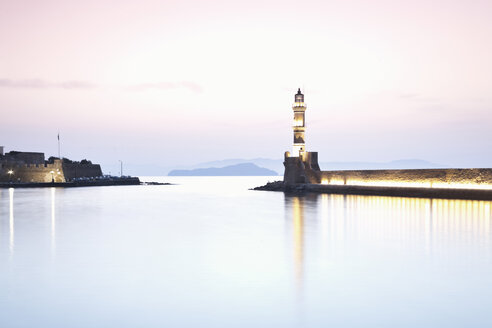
424,178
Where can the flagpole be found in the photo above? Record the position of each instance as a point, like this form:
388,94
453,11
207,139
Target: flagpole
59,156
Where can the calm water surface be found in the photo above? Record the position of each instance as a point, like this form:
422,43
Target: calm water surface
210,253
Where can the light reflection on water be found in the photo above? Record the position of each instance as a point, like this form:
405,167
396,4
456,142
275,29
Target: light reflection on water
53,221
209,252
440,237
431,223
11,220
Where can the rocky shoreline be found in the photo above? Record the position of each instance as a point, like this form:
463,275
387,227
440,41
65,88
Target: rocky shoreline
151,183
279,186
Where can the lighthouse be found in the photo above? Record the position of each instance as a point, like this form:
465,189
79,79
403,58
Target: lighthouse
301,166
299,126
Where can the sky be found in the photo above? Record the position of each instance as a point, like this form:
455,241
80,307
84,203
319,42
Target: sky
181,82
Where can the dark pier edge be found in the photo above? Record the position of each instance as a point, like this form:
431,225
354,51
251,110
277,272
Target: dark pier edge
444,193
85,183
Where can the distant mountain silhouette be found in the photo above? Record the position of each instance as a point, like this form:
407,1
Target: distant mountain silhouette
278,166
271,164
243,169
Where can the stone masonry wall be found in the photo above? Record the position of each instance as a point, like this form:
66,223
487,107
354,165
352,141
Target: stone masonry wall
24,157
32,172
72,171
436,178
43,172
301,169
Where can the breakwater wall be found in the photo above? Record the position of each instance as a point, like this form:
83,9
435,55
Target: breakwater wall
303,174
421,178
305,170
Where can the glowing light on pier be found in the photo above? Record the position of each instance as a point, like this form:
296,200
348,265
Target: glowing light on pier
334,182
406,184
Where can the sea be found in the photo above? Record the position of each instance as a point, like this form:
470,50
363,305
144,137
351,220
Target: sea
210,252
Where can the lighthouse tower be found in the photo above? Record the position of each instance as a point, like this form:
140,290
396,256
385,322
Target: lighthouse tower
301,166
299,126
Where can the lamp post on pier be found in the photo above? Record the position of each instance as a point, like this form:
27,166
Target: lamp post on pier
121,167
10,172
52,176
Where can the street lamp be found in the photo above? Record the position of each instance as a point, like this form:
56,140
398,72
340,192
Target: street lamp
10,172
121,167
52,177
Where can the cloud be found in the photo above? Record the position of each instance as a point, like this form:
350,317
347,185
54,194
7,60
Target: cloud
191,86
76,84
43,84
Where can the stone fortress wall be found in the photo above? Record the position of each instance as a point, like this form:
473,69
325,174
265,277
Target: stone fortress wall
31,172
22,157
77,170
32,167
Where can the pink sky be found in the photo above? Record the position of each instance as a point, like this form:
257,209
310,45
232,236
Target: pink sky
181,82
